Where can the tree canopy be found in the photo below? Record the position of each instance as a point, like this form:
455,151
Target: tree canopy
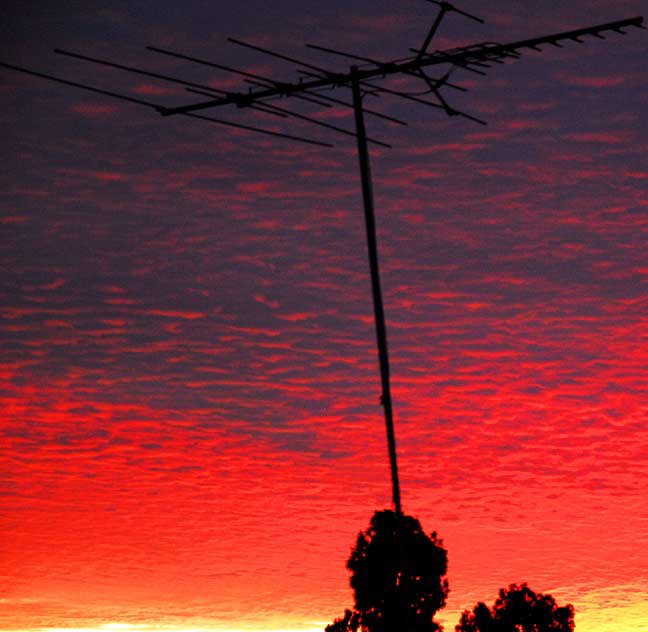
518,609
397,576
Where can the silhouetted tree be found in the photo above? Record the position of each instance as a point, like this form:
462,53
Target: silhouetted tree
518,609
397,576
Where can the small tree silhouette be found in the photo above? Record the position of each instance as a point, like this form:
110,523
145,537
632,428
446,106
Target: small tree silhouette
518,609
397,576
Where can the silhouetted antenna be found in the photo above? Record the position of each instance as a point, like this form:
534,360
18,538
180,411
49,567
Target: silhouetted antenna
362,81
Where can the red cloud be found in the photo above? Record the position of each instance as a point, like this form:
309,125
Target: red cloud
94,109
598,82
170,313
600,137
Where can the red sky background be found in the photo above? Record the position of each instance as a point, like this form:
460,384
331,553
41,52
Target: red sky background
191,431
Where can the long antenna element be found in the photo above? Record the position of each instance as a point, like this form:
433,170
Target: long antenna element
362,80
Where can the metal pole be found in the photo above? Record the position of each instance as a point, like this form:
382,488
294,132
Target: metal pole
379,314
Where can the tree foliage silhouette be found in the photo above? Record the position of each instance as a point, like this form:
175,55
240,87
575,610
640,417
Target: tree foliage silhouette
397,576
518,609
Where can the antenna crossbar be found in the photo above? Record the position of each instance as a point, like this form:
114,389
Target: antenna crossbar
461,58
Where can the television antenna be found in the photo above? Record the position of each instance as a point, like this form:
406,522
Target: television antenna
363,77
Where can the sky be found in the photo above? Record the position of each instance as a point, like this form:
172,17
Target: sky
191,433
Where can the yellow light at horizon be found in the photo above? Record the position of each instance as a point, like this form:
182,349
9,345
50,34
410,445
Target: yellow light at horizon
128,627
617,608
141,627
